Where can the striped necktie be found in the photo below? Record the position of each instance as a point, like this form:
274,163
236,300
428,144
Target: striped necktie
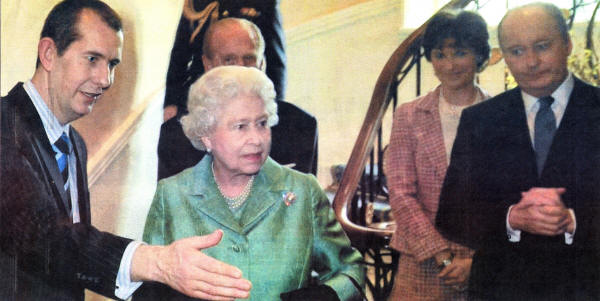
544,128
62,149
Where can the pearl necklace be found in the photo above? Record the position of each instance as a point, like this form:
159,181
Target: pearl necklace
236,202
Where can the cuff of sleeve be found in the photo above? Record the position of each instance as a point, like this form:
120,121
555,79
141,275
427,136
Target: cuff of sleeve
513,235
569,236
124,286
343,287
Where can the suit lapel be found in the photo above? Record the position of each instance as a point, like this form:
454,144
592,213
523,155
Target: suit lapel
513,132
266,192
81,170
559,159
575,140
204,191
428,131
50,164
38,149
263,196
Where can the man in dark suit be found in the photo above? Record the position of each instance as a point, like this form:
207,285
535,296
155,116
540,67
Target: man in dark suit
522,185
233,41
185,65
48,248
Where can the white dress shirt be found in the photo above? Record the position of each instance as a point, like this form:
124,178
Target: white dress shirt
124,286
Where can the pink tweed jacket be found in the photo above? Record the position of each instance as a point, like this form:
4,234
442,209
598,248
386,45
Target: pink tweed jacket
415,165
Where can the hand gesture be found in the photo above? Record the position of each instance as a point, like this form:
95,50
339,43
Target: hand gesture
184,267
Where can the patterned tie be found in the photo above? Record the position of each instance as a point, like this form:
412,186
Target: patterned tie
545,126
62,149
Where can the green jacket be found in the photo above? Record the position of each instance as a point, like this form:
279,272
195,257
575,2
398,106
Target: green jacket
276,245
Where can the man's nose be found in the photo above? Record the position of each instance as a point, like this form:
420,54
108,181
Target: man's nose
103,76
532,59
239,61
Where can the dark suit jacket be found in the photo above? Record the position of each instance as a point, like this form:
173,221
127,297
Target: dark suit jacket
492,162
294,140
185,65
43,255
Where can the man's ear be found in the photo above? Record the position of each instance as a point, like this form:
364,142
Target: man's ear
47,53
206,63
262,66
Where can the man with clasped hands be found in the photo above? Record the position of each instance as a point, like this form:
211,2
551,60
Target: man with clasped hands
522,185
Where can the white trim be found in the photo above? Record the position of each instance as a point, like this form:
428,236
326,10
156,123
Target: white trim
119,139
340,19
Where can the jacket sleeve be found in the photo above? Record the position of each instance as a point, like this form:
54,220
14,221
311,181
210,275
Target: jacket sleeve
177,73
412,225
338,264
49,245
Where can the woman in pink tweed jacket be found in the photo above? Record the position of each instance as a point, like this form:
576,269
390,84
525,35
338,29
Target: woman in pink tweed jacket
423,131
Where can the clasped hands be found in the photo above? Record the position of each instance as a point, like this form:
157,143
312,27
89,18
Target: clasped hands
184,267
541,211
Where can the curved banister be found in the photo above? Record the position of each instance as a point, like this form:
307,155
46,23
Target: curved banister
360,235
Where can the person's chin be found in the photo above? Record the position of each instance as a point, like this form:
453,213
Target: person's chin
536,86
456,82
78,112
84,107
84,110
252,169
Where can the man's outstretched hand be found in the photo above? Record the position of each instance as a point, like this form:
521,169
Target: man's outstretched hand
184,267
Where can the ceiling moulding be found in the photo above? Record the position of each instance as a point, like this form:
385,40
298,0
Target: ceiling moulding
340,19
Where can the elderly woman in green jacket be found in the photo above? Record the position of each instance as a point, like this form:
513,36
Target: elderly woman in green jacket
278,225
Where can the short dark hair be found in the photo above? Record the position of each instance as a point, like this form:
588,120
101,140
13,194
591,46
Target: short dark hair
552,10
61,23
467,28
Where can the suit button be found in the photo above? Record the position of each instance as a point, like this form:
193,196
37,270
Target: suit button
236,248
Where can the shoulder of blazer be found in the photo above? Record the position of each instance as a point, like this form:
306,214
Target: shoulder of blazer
278,177
503,105
20,121
9,106
295,115
584,87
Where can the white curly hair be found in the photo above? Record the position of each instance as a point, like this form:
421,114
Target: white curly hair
215,89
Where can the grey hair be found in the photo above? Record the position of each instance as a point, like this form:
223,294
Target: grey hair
215,89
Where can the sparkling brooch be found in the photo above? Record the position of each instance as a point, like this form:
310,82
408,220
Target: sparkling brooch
289,198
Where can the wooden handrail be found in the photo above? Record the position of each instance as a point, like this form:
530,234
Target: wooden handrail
360,235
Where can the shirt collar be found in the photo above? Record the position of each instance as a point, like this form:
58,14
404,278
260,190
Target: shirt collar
560,95
51,124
